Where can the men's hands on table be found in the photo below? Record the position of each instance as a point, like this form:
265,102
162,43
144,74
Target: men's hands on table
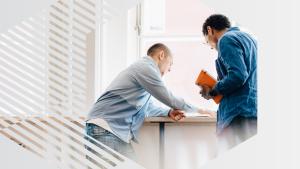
176,115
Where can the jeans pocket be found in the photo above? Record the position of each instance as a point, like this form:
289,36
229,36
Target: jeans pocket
94,130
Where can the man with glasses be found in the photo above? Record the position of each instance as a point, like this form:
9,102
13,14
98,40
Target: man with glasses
237,80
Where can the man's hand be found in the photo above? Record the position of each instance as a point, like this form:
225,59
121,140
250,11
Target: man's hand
205,92
210,113
176,115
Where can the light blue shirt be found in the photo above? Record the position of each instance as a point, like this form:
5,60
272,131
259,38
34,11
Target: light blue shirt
127,101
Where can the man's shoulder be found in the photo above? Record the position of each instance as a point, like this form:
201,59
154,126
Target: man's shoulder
142,66
229,37
236,35
235,38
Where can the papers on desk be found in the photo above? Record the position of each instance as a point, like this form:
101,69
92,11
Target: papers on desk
196,115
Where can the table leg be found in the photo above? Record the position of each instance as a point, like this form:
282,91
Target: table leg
162,145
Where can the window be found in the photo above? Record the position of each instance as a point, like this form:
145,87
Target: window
183,34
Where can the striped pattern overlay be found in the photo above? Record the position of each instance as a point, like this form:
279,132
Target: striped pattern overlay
47,84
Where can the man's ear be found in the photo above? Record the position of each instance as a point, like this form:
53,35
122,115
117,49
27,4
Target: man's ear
209,30
161,55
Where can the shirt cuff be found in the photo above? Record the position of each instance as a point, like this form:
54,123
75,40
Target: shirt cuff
214,91
166,112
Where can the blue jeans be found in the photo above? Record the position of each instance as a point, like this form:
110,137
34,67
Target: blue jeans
110,140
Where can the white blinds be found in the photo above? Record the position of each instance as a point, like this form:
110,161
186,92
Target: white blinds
70,61
47,84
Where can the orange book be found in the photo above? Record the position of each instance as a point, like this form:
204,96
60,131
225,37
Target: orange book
206,79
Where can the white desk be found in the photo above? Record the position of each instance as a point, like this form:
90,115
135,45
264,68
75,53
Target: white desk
162,129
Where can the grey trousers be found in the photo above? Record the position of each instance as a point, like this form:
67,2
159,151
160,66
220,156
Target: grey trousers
239,130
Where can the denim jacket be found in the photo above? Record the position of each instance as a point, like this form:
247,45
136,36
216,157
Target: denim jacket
237,76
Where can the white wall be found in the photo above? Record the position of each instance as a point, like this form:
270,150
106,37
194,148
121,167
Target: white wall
119,45
24,10
114,48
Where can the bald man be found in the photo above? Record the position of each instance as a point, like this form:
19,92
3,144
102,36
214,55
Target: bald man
118,114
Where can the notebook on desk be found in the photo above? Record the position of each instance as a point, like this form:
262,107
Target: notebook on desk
206,79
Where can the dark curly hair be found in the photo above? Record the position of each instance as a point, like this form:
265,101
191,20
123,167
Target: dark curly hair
217,22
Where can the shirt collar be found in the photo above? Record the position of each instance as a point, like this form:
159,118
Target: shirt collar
228,30
233,29
150,60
